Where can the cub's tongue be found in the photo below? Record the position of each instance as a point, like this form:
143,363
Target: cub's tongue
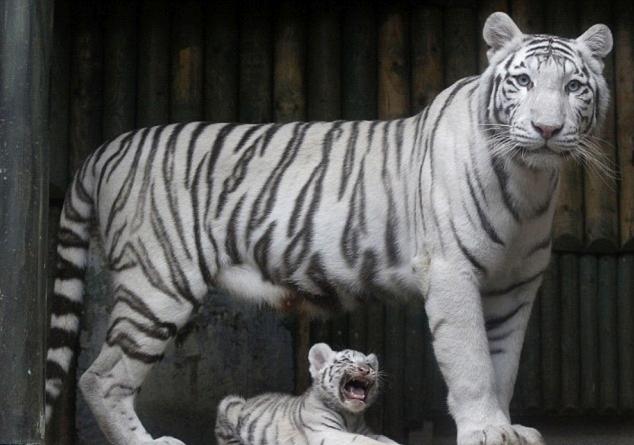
356,392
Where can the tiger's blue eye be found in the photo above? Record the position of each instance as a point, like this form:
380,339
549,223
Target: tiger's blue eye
523,80
573,86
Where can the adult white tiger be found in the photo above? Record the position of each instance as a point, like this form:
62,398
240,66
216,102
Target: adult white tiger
453,205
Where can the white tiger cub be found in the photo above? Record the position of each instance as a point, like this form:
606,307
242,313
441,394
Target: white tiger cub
330,412
453,206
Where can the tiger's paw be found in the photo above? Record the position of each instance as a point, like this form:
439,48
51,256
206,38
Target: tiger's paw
165,440
502,435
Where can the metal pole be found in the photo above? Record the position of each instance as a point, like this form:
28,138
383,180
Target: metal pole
25,37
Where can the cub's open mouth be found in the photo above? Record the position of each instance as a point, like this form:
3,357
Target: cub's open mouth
356,387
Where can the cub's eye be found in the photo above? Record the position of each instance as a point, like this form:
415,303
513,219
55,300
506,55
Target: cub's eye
573,86
523,80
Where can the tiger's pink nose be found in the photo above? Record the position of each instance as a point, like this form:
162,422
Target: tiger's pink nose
365,370
546,131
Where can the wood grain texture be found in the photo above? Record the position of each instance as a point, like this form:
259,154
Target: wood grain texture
324,61
624,67
154,62
59,100
588,291
570,361
427,54
289,85
25,36
461,37
86,102
528,15
359,61
221,61
120,68
625,319
393,53
186,92
551,335
608,345
256,62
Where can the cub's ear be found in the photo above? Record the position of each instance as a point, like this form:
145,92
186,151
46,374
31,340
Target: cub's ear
318,356
598,39
373,361
499,29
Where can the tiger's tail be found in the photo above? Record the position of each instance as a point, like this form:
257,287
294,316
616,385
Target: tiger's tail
227,418
68,293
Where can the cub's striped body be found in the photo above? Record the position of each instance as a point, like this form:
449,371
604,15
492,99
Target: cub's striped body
330,412
453,205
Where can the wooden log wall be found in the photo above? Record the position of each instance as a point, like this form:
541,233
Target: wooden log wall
123,64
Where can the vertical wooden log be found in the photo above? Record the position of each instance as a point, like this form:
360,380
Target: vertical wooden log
359,61
600,191
530,381
186,98
59,100
120,59
393,50
568,224
624,97
625,303
569,270
288,82
221,61
414,365
588,331
301,347
551,334
86,83
485,9
256,62
427,54
153,65
528,15
394,415
608,346
461,41
25,39
324,62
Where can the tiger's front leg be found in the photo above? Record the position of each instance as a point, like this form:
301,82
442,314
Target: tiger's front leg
455,315
506,319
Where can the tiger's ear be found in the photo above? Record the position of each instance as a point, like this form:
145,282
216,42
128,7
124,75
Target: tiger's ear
318,356
598,39
373,361
499,29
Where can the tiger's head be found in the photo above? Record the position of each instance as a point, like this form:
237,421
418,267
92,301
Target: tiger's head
344,380
545,96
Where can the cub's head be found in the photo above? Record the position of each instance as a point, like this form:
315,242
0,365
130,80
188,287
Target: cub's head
346,379
544,95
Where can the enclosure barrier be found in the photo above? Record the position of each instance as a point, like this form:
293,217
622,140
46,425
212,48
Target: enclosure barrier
25,32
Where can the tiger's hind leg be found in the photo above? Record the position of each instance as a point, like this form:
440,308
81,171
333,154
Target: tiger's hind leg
139,331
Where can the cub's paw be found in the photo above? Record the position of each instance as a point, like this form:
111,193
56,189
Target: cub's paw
502,435
165,440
